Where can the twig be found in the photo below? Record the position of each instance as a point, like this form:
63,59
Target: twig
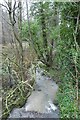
75,59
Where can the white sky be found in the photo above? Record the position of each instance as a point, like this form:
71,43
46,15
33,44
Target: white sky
29,1
1,1
23,3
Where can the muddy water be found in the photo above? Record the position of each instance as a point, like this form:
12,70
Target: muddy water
40,104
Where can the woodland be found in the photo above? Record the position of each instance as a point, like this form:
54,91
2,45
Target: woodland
46,35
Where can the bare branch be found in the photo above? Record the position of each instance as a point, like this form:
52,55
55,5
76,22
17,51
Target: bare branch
4,6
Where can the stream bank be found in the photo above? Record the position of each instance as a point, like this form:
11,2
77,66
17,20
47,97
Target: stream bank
40,104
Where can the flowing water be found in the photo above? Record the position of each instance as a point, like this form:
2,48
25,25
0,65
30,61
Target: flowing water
40,103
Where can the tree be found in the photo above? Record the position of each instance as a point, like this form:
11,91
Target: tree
44,42
12,9
69,54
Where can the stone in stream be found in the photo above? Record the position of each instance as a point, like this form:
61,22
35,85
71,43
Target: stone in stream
40,102
21,113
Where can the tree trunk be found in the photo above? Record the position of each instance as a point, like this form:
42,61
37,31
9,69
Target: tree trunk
18,39
43,24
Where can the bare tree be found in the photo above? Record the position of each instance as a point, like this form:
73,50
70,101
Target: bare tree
11,9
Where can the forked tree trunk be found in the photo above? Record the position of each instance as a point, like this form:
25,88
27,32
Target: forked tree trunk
17,38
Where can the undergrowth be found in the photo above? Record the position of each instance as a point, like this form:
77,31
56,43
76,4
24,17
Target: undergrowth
15,91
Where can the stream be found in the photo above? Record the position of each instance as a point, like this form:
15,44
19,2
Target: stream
40,103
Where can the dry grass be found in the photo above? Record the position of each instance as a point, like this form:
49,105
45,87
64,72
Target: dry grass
18,93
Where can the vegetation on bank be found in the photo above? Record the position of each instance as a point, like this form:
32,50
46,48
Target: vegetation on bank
16,91
53,33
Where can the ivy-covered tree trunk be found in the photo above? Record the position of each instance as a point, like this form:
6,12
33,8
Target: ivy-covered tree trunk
44,34
43,25
46,53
